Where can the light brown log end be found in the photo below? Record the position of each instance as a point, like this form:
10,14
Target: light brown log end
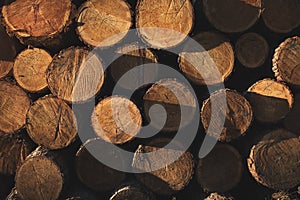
165,23
116,119
75,75
51,123
30,69
103,23
34,22
211,66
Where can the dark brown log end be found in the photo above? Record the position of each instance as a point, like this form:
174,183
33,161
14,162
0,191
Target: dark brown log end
103,23
218,58
286,61
75,75
274,161
8,53
271,101
232,15
92,172
281,16
291,121
51,123
116,120
14,105
220,170
30,69
13,150
252,50
176,98
173,21
39,177
172,177
132,193
131,56
237,120
34,22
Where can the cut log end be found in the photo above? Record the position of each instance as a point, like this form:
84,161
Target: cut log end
232,15
130,56
286,67
132,193
238,116
35,23
92,172
219,56
220,170
30,69
281,16
103,23
31,182
291,121
14,104
8,53
116,120
271,101
51,123
252,50
273,162
15,149
75,75
178,101
173,21
172,177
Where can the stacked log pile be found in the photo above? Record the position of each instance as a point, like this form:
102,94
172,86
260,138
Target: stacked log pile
55,58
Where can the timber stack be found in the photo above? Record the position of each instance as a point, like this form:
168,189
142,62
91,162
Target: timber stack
89,110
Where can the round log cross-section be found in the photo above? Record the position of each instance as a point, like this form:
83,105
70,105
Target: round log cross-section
75,75
274,161
51,123
221,170
165,23
30,69
238,116
212,65
232,15
286,61
103,23
271,101
116,120
281,16
252,50
38,23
